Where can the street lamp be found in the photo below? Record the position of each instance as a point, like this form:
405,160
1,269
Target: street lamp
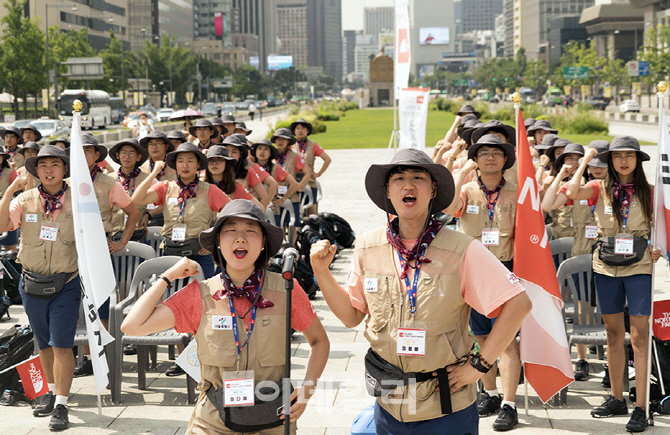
46,15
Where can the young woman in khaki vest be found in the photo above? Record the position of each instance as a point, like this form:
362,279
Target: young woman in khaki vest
245,174
220,173
623,211
159,145
7,177
561,217
309,151
245,304
583,219
414,281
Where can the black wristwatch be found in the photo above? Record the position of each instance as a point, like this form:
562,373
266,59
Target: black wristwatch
480,363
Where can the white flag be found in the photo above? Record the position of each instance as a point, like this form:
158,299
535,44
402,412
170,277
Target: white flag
413,115
189,362
402,47
95,265
662,187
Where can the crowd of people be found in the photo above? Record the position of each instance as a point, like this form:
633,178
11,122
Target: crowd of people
416,283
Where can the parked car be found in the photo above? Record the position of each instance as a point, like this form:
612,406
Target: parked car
598,103
629,106
51,127
133,118
164,114
228,108
494,99
209,109
530,99
22,123
149,108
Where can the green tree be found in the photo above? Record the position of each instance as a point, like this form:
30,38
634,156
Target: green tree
656,51
22,55
64,45
284,80
247,80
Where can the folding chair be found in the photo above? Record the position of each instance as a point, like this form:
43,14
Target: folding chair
154,239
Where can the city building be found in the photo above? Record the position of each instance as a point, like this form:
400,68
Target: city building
293,29
349,51
366,49
214,50
381,80
431,35
479,14
508,16
378,20
616,29
500,29
655,12
204,21
562,30
150,19
73,16
255,17
458,13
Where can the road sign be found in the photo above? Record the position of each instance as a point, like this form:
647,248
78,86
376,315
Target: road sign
226,82
633,68
461,82
84,68
643,68
575,72
473,83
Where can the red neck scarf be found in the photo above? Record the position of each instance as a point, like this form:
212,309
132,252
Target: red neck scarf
95,171
419,249
125,179
281,159
187,190
52,202
623,193
248,289
491,197
12,152
302,147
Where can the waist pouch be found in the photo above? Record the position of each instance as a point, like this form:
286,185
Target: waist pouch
605,246
188,248
137,236
262,415
156,220
44,286
382,377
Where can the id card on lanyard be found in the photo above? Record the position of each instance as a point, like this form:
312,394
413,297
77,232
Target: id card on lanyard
623,243
491,236
411,339
179,230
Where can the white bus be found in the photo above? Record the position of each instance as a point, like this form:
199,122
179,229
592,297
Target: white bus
95,112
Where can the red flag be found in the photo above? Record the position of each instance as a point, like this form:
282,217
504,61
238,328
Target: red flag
544,345
661,320
662,188
32,377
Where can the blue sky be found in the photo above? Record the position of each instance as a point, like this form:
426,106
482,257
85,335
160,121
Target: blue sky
352,12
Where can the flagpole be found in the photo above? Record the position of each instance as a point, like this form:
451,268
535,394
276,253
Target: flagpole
516,97
661,87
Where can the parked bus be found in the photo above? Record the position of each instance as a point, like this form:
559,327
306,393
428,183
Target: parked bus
95,111
118,109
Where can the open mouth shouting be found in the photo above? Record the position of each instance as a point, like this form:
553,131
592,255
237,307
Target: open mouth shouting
409,200
240,253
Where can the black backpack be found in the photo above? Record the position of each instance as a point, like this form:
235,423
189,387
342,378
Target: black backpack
305,237
303,273
323,227
10,270
344,235
16,345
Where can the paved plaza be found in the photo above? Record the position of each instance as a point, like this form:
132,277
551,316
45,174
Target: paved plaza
163,409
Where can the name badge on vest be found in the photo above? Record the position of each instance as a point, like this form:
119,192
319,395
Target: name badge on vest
623,244
282,190
152,206
222,323
48,233
371,285
238,388
491,237
583,202
591,231
608,209
179,233
173,201
411,342
31,217
472,209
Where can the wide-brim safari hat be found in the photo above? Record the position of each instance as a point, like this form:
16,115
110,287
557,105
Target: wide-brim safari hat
46,151
175,134
376,179
528,123
470,123
228,119
219,151
133,143
88,140
572,148
468,108
495,126
542,124
157,134
491,140
601,146
33,129
186,147
245,209
274,152
243,126
63,139
467,133
624,143
303,122
204,123
561,142
218,122
14,130
547,141
285,133
30,145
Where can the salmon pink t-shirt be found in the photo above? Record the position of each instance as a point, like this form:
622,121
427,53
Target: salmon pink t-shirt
593,184
252,178
216,198
242,193
262,175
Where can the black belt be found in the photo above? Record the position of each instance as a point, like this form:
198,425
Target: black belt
442,381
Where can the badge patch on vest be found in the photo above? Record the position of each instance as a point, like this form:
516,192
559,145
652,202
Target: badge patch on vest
31,218
371,285
512,278
222,323
172,201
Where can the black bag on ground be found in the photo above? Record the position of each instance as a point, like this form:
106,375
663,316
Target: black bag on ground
188,248
16,345
44,286
606,251
344,235
305,237
305,276
11,275
320,225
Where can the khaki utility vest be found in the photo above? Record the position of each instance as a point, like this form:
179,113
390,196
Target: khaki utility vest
4,180
265,353
504,217
197,215
607,227
562,224
42,256
310,159
289,166
439,306
276,208
118,220
169,175
581,217
103,186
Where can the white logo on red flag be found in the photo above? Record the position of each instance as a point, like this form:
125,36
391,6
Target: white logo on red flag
32,377
661,323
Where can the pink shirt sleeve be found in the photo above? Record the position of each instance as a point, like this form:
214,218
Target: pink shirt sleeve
252,178
102,164
354,286
302,310
486,292
216,198
161,189
15,212
299,164
262,175
242,193
118,196
186,305
317,150
280,174
595,186
12,176
563,190
464,198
